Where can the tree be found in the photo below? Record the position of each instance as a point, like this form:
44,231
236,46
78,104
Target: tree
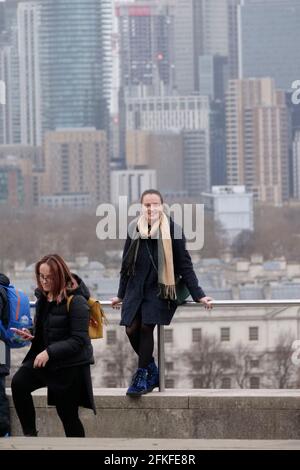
115,363
206,360
241,364
282,372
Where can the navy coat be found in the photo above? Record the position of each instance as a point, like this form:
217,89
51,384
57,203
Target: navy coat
140,291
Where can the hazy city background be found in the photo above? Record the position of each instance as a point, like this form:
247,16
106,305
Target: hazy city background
197,98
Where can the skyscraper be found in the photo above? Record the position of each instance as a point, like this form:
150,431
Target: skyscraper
146,47
9,73
73,58
270,35
257,139
28,16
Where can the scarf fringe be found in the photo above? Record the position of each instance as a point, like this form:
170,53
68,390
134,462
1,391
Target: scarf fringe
167,292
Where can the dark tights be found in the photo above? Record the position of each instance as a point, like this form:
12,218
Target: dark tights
141,338
26,381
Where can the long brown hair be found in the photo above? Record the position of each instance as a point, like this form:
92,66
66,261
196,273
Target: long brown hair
62,277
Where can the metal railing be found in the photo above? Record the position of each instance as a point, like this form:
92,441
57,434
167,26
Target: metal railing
215,303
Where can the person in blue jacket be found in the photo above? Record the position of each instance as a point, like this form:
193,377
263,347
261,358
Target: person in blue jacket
4,359
152,260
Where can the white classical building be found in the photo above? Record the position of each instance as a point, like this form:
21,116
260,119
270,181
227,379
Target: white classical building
245,347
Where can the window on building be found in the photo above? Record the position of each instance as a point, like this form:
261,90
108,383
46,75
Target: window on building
169,366
226,363
253,333
225,334
254,363
226,382
196,335
197,382
197,365
254,382
169,336
111,337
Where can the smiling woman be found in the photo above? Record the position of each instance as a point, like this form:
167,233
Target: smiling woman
153,258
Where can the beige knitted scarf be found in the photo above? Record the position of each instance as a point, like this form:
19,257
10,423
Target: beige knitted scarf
160,230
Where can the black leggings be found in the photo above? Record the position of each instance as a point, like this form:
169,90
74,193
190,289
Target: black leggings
25,381
141,338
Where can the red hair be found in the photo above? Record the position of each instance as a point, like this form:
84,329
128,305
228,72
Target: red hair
62,277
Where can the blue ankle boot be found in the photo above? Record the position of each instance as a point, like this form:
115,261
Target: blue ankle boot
152,377
138,384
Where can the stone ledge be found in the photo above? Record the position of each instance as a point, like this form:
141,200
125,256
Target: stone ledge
184,414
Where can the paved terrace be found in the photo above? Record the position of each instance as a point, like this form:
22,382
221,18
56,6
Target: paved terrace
110,445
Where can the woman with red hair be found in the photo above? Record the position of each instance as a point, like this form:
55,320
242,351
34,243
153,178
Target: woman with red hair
61,350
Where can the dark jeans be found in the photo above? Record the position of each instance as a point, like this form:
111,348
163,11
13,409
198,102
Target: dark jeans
25,381
4,409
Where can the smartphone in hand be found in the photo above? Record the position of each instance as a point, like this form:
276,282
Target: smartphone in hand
25,334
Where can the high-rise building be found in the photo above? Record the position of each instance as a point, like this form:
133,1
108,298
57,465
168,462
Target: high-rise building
29,63
73,57
146,31
233,41
213,76
196,167
184,46
106,33
214,27
187,114
160,151
162,113
296,165
257,139
269,36
16,177
216,33
10,131
2,18
76,166
217,143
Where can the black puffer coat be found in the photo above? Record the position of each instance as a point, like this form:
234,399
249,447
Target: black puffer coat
63,333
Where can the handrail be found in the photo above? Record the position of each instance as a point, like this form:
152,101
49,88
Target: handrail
215,303
228,303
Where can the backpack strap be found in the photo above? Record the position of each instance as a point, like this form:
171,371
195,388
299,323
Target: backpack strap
18,305
69,298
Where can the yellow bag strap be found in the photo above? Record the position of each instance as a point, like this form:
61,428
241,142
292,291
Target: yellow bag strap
69,301
91,301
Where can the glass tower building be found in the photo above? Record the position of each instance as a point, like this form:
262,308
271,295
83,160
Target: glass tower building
269,40
72,76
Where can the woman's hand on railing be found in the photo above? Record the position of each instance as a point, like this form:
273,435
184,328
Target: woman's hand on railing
116,302
207,302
